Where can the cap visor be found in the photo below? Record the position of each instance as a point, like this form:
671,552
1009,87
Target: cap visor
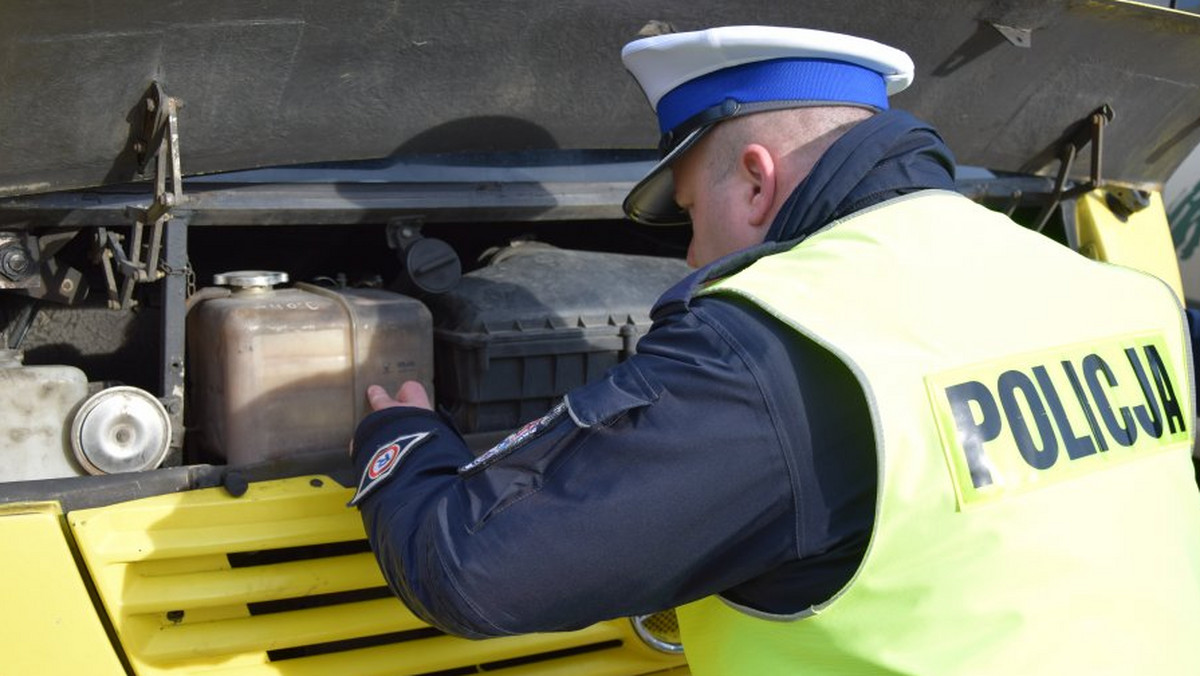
652,200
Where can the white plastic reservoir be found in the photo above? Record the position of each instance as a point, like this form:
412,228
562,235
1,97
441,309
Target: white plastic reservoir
280,371
37,404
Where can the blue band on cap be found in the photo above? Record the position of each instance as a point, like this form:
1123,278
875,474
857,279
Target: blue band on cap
774,80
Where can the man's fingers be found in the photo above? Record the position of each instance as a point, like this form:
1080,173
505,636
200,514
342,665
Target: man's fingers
413,393
410,393
379,398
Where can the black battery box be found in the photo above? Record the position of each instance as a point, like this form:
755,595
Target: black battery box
516,335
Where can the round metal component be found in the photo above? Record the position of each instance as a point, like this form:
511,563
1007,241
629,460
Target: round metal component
660,631
249,279
120,429
14,262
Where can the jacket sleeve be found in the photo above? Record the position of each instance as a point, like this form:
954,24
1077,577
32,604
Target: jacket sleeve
659,484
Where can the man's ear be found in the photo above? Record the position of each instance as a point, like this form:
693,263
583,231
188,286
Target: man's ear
759,169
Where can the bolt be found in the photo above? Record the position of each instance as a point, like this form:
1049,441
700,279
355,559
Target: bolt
66,287
1124,202
123,435
14,262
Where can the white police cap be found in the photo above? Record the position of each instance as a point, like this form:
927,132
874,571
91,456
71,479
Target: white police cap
694,80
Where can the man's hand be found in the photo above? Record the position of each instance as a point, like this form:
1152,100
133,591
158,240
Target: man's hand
410,393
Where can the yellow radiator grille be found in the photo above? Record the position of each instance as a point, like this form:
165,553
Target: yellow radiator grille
279,581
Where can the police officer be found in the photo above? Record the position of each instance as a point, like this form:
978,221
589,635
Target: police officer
881,429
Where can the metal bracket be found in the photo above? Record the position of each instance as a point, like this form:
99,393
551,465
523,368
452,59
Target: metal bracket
29,267
139,259
1019,37
402,232
1088,130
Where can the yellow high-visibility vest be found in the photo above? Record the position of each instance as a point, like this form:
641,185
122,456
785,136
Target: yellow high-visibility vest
1033,413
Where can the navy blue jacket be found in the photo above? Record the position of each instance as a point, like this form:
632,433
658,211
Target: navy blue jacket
728,456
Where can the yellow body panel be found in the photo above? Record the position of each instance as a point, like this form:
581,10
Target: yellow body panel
51,626
1141,241
279,581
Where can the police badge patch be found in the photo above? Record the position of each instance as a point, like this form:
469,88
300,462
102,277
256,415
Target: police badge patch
384,461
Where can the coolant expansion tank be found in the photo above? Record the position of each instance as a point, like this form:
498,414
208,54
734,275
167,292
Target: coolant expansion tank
281,371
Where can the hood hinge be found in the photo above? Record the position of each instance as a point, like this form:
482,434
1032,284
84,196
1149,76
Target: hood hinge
1088,130
140,258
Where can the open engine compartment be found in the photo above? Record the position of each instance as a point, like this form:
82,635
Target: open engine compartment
500,298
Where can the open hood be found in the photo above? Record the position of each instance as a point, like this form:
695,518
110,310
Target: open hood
276,82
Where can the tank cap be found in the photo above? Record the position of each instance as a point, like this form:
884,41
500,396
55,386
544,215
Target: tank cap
430,266
248,279
120,429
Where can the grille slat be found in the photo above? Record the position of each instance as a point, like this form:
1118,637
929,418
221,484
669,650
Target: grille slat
259,633
145,594
172,542
194,523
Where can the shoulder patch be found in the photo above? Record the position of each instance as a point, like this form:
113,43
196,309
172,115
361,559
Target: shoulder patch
515,440
384,461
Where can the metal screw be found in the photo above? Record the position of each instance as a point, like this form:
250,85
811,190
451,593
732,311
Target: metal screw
66,287
14,262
